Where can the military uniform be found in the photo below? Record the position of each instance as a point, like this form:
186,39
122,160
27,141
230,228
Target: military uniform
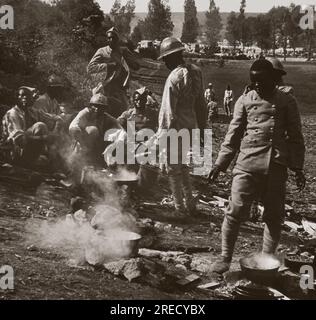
114,68
182,107
267,139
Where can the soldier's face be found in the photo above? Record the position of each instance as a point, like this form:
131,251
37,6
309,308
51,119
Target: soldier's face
24,98
112,39
172,60
262,82
94,108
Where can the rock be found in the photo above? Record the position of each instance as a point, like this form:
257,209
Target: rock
149,253
130,269
293,226
309,227
184,260
209,286
200,264
32,247
181,267
80,216
305,254
189,280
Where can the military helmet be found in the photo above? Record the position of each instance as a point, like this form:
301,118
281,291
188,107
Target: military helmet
99,99
169,46
55,81
262,65
277,65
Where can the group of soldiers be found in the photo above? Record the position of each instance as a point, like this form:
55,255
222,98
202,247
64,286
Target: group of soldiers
264,138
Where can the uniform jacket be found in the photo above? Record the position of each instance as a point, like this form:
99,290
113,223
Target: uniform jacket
262,131
148,119
15,123
102,62
45,110
183,105
86,118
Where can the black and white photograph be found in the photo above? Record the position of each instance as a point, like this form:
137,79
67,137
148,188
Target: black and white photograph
157,150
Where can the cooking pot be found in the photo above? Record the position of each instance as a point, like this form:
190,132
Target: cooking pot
126,242
260,267
110,246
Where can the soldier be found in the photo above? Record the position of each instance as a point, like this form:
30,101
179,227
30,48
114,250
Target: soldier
228,100
266,134
46,108
209,93
182,107
114,62
27,136
89,126
144,116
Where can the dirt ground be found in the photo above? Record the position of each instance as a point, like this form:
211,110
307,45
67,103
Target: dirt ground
43,274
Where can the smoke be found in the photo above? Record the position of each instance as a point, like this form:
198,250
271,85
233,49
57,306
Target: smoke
84,237
98,241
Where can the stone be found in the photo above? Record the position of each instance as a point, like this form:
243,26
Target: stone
209,286
200,264
130,269
191,279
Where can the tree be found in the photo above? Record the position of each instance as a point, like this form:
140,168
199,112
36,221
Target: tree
233,34
158,24
261,31
122,16
137,34
294,31
278,17
213,25
243,34
190,29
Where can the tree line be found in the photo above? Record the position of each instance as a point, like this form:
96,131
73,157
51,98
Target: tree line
278,28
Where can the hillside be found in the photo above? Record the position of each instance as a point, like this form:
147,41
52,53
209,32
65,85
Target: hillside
178,18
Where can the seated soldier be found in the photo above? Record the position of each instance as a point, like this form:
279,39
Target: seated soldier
89,126
27,137
46,108
143,116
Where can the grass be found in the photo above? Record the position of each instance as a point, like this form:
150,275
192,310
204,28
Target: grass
302,76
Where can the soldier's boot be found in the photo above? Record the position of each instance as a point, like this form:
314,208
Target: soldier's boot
230,230
271,237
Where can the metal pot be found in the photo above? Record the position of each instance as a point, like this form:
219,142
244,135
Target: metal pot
126,241
259,267
110,246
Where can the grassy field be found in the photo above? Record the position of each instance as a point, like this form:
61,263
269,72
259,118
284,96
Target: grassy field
302,76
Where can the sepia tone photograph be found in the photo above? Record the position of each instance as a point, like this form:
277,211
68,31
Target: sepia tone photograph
157,150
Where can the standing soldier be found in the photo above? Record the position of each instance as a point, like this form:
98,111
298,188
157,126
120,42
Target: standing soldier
114,62
228,101
209,93
182,107
266,134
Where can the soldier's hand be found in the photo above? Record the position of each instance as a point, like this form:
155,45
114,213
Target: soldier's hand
300,180
214,173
